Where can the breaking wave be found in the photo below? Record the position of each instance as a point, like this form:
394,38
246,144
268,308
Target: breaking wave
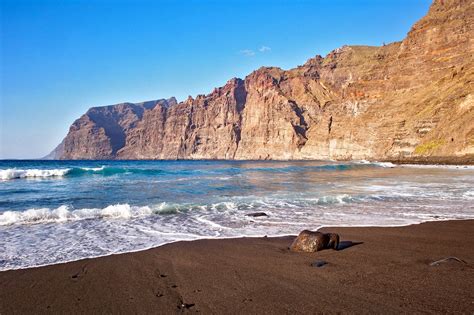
66,213
31,173
107,207
125,211
14,173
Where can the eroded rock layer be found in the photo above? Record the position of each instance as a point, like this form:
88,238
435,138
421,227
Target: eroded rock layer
407,101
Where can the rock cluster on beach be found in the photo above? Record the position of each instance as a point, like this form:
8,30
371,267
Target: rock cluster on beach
411,100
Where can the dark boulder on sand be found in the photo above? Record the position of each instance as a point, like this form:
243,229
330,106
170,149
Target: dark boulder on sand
309,241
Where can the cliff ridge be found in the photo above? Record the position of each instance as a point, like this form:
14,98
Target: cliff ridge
406,101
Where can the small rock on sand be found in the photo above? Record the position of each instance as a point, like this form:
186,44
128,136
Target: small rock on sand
257,214
319,263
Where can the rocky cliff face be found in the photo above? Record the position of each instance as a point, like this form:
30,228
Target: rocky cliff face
406,101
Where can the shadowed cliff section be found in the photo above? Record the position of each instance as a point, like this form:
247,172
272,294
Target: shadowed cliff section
405,101
102,131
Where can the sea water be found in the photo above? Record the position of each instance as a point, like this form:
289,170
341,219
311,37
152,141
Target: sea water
59,211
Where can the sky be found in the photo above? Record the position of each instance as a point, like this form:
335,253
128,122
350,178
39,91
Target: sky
60,57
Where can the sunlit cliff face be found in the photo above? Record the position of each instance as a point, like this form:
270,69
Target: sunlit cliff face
409,100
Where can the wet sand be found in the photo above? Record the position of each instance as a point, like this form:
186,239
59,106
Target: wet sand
388,272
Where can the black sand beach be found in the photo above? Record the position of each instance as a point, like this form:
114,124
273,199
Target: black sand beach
390,271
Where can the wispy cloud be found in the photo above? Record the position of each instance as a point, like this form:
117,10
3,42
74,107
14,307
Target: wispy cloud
250,52
247,52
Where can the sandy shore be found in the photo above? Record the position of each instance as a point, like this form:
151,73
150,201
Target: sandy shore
435,160
389,272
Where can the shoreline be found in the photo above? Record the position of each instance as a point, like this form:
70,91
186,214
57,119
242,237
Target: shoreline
467,160
208,238
455,161
388,271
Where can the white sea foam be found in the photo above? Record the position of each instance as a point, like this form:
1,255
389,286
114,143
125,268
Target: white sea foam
225,209
93,169
452,167
385,164
126,211
469,195
363,162
380,164
392,165
45,236
13,173
64,213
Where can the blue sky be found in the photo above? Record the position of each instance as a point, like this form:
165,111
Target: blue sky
58,58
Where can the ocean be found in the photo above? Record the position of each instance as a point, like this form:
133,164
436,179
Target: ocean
58,211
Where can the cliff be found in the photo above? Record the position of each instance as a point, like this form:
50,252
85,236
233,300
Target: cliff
407,101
